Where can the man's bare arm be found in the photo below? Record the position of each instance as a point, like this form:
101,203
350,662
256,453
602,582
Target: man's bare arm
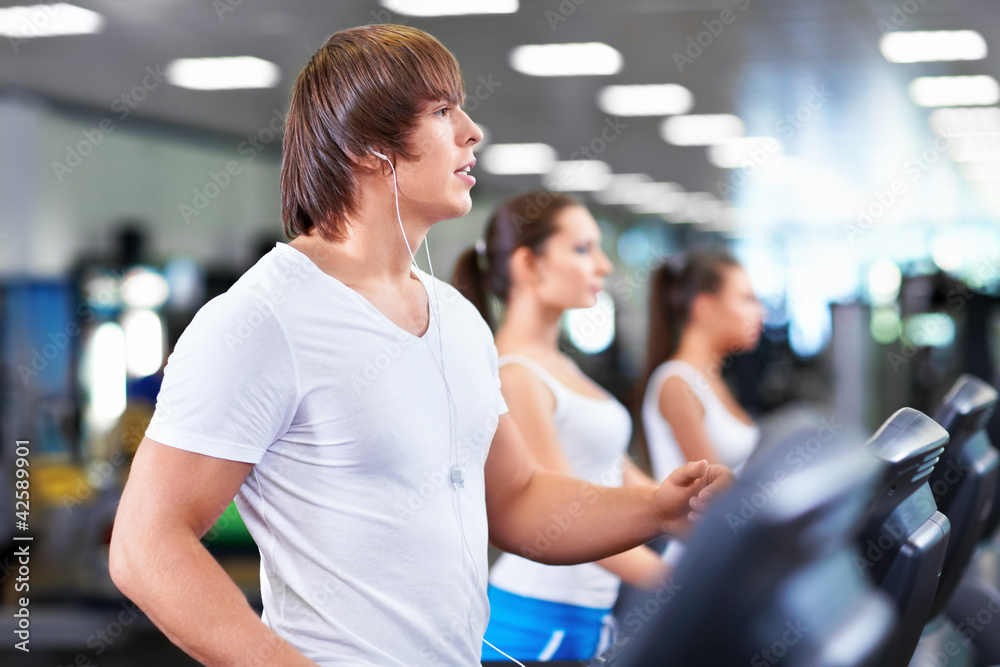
559,520
170,501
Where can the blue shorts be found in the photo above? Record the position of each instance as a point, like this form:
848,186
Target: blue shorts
532,629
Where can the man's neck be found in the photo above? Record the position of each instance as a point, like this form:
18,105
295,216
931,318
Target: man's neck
372,250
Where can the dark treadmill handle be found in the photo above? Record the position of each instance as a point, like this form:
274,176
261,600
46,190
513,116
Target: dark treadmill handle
907,435
969,396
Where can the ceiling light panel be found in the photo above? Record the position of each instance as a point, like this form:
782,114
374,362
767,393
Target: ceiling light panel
954,91
49,21
583,59
449,7
701,129
929,46
518,159
662,99
223,73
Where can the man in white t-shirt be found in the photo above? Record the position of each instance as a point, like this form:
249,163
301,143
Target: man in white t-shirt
351,405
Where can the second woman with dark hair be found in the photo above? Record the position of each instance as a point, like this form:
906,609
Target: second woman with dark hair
542,256
701,311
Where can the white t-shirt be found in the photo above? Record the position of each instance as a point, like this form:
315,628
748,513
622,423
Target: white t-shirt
345,416
594,434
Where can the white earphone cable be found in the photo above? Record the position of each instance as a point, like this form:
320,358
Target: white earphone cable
458,481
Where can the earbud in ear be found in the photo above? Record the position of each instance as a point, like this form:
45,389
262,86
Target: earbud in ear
377,154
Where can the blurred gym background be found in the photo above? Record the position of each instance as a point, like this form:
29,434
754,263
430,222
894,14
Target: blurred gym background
847,152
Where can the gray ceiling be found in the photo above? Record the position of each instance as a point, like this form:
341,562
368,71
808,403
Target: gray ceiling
761,66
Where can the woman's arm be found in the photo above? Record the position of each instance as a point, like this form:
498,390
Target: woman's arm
680,406
633,475
641,567
531,405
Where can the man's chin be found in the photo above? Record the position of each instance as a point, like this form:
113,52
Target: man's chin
460,209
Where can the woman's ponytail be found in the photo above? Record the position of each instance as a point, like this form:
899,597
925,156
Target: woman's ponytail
664,302
470,279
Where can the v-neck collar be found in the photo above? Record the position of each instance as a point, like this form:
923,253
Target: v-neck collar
368,305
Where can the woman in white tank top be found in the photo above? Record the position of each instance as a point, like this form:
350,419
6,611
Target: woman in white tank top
542,256
700,313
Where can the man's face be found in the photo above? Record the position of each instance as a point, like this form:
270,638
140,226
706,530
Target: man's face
435,185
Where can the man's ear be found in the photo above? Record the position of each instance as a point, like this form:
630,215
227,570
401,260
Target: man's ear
368,160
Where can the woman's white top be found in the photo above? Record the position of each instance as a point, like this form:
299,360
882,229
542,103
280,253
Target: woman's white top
594,434
732,440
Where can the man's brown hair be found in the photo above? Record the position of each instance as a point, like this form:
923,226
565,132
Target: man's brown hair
362,90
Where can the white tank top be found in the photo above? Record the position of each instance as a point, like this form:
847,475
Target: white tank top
732,439
594,434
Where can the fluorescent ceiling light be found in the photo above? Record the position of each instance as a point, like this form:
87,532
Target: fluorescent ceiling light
936,45
519,158
736,153
566,59
703,207
641,194
954,91
658,99
976,149
983,171
625,189
966,121
578,176
701,129
449,7
223,73
49,21
662,198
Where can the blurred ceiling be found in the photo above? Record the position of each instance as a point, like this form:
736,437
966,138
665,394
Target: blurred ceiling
762,67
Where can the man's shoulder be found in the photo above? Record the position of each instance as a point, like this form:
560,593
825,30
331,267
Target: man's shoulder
277,277
274,280
252,309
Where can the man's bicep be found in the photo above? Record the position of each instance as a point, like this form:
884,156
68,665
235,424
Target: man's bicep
174,486
509,468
